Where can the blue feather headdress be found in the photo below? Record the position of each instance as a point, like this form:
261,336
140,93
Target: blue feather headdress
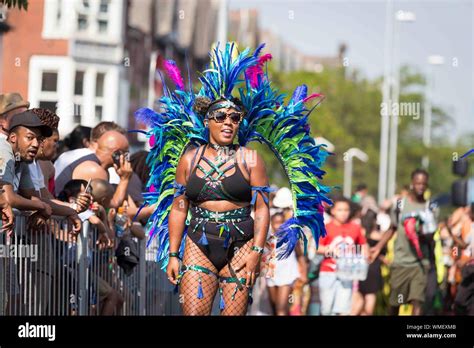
283,128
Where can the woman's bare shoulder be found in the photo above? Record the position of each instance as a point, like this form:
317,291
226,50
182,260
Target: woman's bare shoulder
190,152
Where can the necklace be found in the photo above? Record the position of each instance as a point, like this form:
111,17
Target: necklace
221,149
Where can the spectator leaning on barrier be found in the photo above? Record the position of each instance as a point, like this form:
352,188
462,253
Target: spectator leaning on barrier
25,137
49,147
21,147
43,163
110,150
10,104
110,299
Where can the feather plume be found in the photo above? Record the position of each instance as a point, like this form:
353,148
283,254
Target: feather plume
174,73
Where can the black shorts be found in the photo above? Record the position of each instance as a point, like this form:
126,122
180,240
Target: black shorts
220,247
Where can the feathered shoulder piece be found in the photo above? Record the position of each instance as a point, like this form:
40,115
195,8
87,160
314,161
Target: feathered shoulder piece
284,128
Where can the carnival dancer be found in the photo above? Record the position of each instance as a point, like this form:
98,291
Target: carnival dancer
205,181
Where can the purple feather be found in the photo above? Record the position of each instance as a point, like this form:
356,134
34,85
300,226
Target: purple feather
299,93
145,116
173,73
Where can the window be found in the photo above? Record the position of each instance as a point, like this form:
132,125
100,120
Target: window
102,26
77,113
104,6
79,83
50,105
49,81
98,113
99,85
58,14
93,16
82,22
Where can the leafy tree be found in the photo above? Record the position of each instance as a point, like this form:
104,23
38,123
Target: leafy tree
350,117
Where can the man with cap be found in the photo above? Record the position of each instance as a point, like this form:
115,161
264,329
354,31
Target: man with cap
26,134
10,104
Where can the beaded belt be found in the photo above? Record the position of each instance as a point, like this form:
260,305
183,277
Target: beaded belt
223,218
220,216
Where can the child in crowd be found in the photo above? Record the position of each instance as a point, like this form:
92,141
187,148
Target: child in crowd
344,239
102,193
283,273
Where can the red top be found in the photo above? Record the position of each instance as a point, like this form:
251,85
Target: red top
51,186
341,239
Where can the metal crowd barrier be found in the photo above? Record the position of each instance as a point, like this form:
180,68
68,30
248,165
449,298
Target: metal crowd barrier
54,273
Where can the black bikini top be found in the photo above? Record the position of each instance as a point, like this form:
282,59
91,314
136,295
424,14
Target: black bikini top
214,185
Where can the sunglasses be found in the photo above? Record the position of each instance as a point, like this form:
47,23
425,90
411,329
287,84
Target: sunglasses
220,116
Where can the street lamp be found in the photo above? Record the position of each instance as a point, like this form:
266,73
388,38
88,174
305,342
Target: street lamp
400,16
384,127
222,23
433,60
323,141
352,152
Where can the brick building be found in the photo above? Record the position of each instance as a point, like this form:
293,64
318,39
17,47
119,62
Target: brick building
69,56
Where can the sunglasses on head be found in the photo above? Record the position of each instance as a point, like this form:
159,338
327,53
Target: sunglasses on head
220,116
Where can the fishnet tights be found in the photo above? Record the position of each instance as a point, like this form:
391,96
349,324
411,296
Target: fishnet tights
188,289
191,304
238,305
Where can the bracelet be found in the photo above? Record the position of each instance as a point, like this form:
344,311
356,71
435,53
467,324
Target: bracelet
174,255
257,249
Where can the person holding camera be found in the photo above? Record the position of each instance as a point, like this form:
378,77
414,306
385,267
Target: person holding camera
110,150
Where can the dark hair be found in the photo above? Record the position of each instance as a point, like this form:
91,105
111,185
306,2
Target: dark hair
361,187
369,221
47,117
103,127
202,104
139,165
340,199
355,209
75,139
419,171
71,189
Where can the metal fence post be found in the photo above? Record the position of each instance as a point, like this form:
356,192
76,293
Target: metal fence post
82,258
142,280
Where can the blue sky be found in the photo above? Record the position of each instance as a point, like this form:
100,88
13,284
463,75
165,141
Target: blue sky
443,27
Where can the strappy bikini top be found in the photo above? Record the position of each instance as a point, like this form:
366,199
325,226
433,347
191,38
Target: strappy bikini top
232,188
214,185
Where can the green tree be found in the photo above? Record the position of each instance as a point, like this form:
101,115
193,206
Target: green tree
350,117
